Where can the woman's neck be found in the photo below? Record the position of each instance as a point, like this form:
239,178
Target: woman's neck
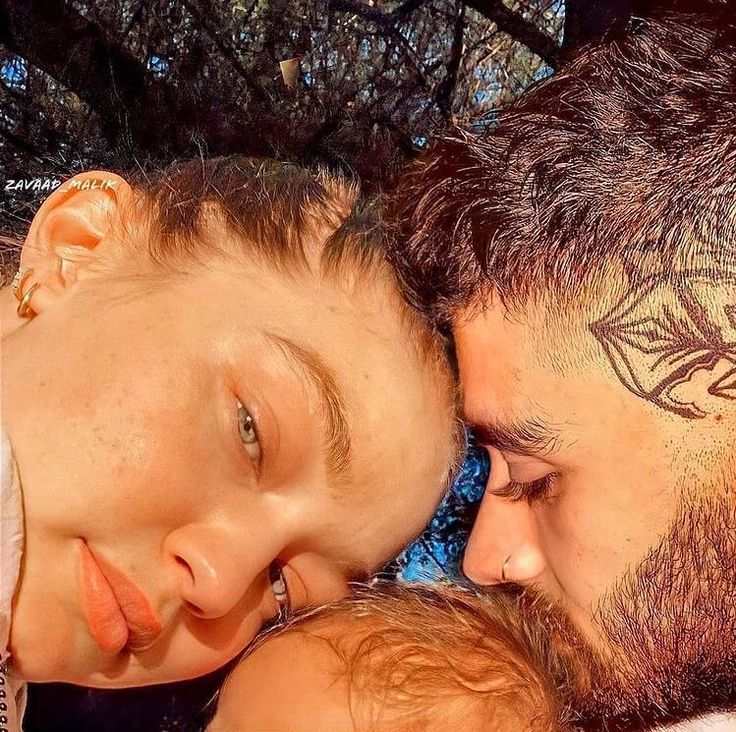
10,321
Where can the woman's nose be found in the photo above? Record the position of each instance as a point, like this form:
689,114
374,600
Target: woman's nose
503,545
216,568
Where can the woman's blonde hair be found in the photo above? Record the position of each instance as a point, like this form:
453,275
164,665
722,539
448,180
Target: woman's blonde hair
283,216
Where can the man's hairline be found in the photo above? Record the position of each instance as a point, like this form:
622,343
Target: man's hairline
546,315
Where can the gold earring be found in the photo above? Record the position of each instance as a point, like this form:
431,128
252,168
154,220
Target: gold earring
19,279
24,307
24,300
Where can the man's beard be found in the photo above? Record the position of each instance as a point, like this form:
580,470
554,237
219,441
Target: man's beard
668,631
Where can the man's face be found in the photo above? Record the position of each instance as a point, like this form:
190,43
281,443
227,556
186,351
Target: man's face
182,442
597,496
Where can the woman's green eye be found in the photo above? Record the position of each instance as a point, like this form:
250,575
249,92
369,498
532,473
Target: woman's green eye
248,433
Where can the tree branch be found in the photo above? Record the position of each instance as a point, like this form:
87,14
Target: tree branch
72,50
22,144
590,20
446,90
407,8
227,52
386,23
519,29
375,14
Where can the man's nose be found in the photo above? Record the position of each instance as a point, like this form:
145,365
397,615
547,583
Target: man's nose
215,567
503,545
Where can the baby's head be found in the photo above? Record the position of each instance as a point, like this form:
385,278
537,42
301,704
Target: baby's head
399,659
221,410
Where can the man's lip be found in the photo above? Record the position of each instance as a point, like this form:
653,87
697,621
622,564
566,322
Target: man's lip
142,624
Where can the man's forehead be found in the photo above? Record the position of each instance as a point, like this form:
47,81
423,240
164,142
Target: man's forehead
510,342
495,378
540,336
514,366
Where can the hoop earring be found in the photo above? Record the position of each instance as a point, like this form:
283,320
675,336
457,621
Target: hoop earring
24,306
21,276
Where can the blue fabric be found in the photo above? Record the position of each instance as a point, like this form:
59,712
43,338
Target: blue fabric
437,553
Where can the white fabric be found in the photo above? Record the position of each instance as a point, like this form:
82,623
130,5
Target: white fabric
711,723
12,690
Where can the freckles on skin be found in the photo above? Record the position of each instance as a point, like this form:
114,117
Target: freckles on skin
130,456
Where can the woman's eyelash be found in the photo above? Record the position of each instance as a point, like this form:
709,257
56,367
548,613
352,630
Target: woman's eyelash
532,491
280,590
248,433
246,424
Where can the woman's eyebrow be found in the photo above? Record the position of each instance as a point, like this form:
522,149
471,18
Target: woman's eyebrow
526,438
323,379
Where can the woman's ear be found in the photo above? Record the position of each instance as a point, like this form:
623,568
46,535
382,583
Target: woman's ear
68,230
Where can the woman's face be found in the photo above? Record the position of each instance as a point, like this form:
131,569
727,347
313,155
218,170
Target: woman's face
178,440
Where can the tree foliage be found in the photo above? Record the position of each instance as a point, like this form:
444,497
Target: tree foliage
357,83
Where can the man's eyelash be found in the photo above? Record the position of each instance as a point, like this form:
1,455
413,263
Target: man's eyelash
532,491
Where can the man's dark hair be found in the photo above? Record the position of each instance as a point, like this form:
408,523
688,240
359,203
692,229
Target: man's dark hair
626,155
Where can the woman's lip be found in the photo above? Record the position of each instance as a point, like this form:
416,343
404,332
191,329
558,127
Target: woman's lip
101,610
142,627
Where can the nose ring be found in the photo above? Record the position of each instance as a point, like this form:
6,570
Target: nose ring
503,568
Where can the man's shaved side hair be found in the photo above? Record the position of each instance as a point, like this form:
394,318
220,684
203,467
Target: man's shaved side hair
624,160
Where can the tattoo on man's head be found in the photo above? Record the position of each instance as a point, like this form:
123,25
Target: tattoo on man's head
667,327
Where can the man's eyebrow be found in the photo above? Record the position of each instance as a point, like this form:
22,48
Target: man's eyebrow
526,438
322,377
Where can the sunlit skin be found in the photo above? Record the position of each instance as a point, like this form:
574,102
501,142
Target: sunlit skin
309,689
616,462
122,399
